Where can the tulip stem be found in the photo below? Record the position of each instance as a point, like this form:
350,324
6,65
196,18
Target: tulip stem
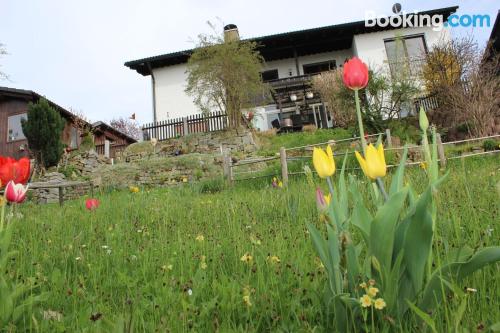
2,217
330,185
360,122
381,187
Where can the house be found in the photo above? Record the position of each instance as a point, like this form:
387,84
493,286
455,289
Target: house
116,139
14,107
292,58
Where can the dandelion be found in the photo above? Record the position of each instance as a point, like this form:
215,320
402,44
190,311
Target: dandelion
247,257
246,300
203,265
274,259
200,238
423,165
133,189
254,240
365,301
372,291
379,304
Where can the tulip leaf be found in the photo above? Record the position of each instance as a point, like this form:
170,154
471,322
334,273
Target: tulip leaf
334,252
384,226
361,217
397,178
418,240
455,272
320,246
424,316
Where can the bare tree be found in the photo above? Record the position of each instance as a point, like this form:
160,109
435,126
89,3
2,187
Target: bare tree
332,91
3,51
126,126
466,86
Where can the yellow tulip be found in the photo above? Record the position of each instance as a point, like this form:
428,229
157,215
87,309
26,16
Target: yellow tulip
373,165
323,162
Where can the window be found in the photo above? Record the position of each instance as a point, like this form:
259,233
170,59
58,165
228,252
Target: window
74,138
14,129
405,55
319,67
269,75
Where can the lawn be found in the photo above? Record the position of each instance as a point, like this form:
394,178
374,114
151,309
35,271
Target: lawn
170,260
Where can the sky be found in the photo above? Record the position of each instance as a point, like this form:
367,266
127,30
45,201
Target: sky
73,51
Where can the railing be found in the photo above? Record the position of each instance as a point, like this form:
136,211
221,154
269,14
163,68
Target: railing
173,128
427,102
408,67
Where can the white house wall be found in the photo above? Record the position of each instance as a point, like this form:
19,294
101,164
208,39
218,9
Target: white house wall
285,66
371,48
171,99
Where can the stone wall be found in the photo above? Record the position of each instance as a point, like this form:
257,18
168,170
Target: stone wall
51,195
85,163
239,141
160,171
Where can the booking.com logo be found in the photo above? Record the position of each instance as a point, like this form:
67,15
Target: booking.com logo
436,21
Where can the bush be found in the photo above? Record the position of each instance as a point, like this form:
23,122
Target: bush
489,145
43,129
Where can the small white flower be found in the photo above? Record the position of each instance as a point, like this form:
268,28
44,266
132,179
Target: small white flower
190,292
139,230
105,247
108,251
78,258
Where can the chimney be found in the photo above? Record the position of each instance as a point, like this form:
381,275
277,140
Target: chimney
231,33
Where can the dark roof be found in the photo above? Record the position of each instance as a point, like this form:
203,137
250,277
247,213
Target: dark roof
495,34
283,45
32,96
105,127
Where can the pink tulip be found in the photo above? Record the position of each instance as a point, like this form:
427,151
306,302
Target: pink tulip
15,192
322,201
92,204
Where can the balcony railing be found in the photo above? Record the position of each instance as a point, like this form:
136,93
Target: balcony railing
411,68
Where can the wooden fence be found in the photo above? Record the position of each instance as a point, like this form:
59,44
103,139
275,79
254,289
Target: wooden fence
173,128
283,157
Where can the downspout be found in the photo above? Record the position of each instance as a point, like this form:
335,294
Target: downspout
296,57
153,84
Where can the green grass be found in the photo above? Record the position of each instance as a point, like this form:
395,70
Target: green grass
116,260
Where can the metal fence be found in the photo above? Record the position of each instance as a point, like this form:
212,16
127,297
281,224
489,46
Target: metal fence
173,128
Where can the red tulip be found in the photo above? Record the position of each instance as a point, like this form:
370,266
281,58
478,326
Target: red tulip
17,171
355,74
92,204
15,192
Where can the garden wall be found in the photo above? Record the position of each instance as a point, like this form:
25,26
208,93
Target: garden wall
240,142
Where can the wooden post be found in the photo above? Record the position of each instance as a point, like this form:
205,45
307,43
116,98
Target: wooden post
106,148
185,125
388,138
61,196
226,164
440,149
284,166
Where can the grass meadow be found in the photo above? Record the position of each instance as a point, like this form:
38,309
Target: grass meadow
170,259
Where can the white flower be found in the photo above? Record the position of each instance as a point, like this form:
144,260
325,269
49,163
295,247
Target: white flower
78,258
190,292
108,251
105,247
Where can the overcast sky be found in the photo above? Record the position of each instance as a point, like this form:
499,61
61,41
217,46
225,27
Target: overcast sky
73,51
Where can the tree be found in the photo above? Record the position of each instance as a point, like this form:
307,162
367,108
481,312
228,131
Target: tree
43,129
3,51
225,76
126,126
